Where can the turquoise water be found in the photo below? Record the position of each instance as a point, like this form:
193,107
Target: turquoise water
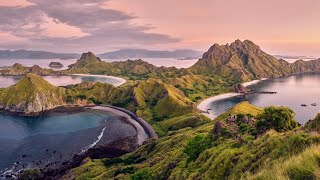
55,137
291,92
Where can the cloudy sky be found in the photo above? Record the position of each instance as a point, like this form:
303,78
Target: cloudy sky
278,26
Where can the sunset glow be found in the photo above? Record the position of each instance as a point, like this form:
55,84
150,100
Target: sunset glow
280,27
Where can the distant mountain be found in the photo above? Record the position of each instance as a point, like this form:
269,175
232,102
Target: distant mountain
25,54
293,57
143,53
119,54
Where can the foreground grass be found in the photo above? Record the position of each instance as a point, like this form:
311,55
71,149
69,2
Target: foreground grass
292,154
306,165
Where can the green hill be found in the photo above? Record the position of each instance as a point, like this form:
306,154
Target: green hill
137,69
151,99
18,69
240,156
31,95
243,60
246,61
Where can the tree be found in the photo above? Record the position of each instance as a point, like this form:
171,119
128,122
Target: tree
196,146
278,118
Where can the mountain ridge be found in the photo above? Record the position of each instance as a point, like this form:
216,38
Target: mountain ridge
118,54
246,61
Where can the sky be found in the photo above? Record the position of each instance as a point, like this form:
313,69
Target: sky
285,27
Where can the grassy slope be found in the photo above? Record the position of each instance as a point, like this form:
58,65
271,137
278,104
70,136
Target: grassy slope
28,89
228,158
243,108
153,100
162,101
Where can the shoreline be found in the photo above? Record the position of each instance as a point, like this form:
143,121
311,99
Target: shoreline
144,129
204,104
113,149
121,80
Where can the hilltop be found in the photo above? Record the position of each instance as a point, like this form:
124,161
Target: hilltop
31,95
246,61
136,69
18,69
241,143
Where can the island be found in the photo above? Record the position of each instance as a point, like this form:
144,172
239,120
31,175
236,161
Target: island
55,65
245,142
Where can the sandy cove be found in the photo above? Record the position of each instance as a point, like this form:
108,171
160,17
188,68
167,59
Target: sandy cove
204,105
144,129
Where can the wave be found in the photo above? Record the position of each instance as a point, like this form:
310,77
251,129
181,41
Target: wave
95,142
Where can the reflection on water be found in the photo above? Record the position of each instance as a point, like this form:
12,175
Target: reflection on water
291,92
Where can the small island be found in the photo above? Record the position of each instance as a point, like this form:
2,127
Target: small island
55,65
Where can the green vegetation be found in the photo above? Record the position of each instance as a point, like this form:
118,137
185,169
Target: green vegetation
242,143
190,153
33,174
278,118
241,108
303,166
32,94
314,125
196,146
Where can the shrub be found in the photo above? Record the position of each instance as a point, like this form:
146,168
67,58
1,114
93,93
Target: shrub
278,118
143,174
82,96
196,146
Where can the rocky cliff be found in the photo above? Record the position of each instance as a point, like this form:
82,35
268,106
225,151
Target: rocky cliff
246,61
85,59
241,60
31,95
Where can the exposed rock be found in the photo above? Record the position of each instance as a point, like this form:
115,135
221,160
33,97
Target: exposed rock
239,88
246,61
85,59
218,129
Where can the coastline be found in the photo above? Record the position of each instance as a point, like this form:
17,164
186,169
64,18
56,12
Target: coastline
144,130
121,80
204,104
97,149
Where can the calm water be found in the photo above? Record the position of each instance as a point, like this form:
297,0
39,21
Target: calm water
6,81
44,63
54,137
167,62
291,92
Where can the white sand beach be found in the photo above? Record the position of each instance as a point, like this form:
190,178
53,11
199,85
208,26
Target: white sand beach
204,105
